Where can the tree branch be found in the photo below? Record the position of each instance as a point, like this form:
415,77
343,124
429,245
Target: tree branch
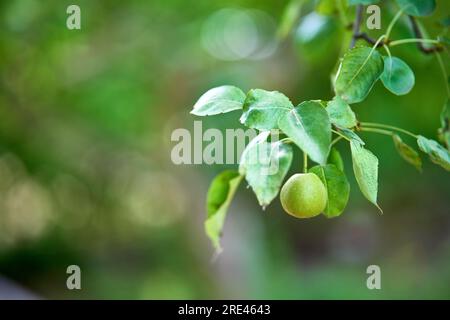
367,38
357,34
418,34
357,24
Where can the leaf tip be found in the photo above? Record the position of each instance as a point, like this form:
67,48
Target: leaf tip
379,208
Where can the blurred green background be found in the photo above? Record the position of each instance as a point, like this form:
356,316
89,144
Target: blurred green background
86,176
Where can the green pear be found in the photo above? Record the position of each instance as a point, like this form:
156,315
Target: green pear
303,195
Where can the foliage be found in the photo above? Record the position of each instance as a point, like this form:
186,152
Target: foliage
312,125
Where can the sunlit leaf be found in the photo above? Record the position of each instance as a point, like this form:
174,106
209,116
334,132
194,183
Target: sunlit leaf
265,165
220,195
365,168
437,153
407,153
219,100
338,188
397,76
360,68
309,127
263,109
340,113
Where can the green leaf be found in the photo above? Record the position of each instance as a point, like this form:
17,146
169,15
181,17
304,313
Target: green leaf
397,76
336,159
365,168
407,153
265,165
309,127
417,7
444,130
437,153
360,68
355,2
340,113
338,188
219,100
263,109
219,197
289,18
351,135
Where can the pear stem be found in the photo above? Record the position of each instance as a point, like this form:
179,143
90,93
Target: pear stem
336,140
305,162
385,126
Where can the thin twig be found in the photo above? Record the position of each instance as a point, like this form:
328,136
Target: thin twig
340,134
381,125
367,38
336,140
393,22
381,131
357,24
413,40
418,34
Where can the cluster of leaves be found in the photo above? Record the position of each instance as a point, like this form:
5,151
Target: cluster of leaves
311,125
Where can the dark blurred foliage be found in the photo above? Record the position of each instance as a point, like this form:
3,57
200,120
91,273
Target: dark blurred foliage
86,176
